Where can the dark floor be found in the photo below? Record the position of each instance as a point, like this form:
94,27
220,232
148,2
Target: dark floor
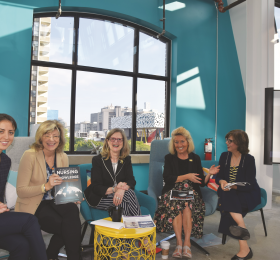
263,247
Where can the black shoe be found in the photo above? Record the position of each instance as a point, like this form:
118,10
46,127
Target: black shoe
249,256
239,232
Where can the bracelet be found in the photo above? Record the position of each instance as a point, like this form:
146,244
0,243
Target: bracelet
113,189
44,188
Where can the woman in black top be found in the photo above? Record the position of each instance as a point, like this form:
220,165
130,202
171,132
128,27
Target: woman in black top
182,171
237,166
112,180
20,233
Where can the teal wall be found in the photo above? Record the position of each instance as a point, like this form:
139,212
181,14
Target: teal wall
193,33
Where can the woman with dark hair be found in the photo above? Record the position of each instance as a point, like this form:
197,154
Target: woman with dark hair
183,172
20,233
235,202
112,180
35,183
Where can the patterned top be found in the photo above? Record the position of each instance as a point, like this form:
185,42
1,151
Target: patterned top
5,165
232,173
49,194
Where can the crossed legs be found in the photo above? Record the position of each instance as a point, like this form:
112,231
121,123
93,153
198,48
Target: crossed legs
243,245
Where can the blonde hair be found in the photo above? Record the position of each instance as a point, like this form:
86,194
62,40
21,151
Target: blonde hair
46,127
183,132
106,149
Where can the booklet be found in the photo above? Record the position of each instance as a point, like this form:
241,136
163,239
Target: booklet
181,195
144,221
70,190
108,223
236,183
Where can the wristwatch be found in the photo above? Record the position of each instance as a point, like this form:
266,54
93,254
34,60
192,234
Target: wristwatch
44,188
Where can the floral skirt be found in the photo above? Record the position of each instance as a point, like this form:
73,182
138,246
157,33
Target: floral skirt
170,209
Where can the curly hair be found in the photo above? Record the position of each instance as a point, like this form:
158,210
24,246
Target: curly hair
47,127
241,139
183,132
106,149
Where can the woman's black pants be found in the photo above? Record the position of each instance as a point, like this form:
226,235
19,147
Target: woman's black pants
63,221
20,234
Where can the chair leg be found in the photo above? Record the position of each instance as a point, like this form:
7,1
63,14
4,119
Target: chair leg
84,231
264,227
199,247
91,235
224,239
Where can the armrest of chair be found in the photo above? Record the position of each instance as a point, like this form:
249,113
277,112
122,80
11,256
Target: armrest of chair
146,201
210,198
151,193
85,211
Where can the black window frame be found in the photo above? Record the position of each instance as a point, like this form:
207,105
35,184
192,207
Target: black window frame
134,74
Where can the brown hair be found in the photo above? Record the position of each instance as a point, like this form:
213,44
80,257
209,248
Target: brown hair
9,118
240,139
46,127
106,149
183,132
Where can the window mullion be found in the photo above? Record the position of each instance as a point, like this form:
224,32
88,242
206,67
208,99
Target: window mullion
134,92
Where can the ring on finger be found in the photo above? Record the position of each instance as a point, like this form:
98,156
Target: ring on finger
54,181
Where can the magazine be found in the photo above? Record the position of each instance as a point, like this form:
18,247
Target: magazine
144,221
70,190
236,183
181,195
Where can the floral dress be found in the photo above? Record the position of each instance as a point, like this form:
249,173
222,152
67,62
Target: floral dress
169,209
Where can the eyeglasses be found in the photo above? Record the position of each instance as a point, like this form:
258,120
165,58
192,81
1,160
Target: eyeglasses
54,137
119,140
229,140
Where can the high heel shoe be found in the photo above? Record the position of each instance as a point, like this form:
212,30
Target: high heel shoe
177,253
185,252
249,256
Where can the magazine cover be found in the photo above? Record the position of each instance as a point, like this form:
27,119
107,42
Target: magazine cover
143,221
70,190
181,195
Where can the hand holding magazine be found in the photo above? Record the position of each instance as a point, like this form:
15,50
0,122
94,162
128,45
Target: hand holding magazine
229,185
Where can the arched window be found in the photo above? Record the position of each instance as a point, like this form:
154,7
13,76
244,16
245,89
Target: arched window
94,73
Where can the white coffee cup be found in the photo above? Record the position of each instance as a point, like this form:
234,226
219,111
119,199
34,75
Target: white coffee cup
165,249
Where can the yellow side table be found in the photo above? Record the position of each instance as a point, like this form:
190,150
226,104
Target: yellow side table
126,243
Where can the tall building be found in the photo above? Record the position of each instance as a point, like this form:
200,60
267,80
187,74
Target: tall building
103,118
82,129
40,75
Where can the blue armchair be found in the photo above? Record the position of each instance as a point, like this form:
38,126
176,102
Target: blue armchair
147,204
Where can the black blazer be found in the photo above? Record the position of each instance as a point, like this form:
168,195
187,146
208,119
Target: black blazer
101,179
246,173
171,171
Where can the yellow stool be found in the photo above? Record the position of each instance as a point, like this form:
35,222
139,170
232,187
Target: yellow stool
126,243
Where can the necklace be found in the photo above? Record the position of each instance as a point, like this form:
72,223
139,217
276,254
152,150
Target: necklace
235,163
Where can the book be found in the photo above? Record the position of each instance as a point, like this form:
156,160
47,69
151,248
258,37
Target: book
70,190
181,195
236,183
144,221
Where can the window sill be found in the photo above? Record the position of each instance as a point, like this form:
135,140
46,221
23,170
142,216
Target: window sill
75,159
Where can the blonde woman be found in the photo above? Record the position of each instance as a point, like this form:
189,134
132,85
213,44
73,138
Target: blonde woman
182,171
112,180
35,183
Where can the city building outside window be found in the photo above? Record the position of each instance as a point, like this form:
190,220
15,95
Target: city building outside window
112,73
